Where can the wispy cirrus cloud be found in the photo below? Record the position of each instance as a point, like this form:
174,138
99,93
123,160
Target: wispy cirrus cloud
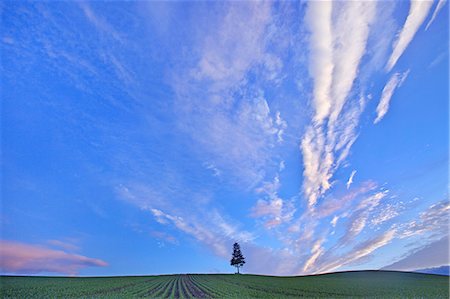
394,82
352,217
360,215
272,208
99,22
217,105
386,212
350,179
337,203
335,56
17,257
439,6
316,251
318,18
275,210
418,11
433,220
332,261
215,233
200,220
227,55
66,245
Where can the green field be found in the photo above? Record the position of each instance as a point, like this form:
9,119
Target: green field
380,284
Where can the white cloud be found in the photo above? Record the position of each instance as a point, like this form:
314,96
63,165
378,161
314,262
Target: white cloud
217,106
229,52
439,6
334,221
282,125
324,151
353,210
316,165
359,217
213,168
273,209
212,230
333,262
350,179
351,31
386,213
336,48
353,214
371,202
335,204
100,23
198,219
394,82
316,251
432,221
270,188
418,11
318,17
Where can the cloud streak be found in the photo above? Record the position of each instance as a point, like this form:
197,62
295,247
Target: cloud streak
433,220
22,258
439,6
217,234
333,262
394,82
418,11
215,103
325,145
318,17
350,179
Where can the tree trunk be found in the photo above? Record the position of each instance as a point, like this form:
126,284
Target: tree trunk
238,269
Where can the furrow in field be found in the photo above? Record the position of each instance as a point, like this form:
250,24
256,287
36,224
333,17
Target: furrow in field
183,290
194,290
202,283
259,288
146,286
176,291
114,290
151,290
159,290
286,292
170,288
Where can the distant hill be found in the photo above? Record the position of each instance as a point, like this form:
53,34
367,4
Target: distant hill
442,270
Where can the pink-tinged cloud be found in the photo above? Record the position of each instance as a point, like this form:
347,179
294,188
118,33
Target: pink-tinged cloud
24,258
341,203
164,237
67,246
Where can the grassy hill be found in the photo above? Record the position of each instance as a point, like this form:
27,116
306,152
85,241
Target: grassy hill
380,284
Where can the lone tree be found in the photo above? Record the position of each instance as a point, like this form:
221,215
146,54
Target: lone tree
237,259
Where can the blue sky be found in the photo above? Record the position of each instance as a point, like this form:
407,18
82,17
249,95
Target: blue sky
148,137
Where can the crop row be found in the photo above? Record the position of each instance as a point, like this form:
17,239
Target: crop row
385,285
170,286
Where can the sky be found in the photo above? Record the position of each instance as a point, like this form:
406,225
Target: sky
148,137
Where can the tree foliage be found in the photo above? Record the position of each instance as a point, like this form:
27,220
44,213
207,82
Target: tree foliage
237,259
